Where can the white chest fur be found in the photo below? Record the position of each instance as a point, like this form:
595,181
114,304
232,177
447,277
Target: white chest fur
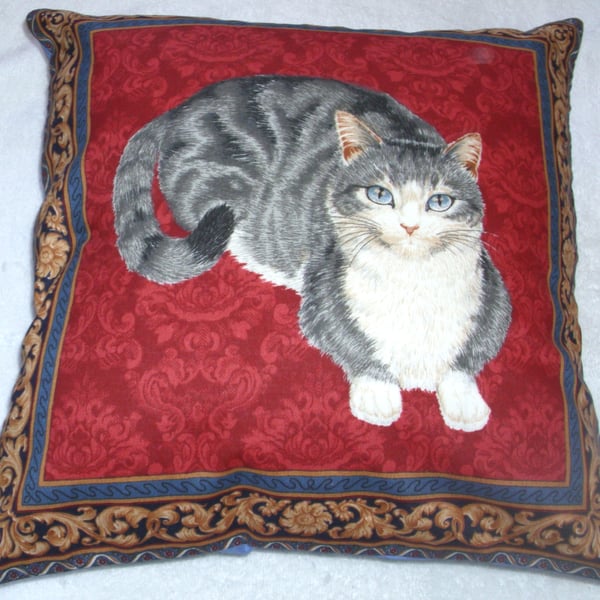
417,311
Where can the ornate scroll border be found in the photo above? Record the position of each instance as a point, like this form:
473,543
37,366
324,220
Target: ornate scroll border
39,541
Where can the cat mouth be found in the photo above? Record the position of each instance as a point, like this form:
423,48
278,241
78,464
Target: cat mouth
417,247
412,243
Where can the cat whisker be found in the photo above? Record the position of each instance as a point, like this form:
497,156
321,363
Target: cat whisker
345,222
352,240
458,241
466,232
353,221
489,246
460,238
477,237
355,238
361,247
349,231
490,233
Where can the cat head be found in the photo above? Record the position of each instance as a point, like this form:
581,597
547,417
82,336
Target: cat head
416,197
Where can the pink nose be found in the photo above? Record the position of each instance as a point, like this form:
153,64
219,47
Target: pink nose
410,229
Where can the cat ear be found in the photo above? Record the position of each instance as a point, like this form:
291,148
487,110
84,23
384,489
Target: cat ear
467,151
354,135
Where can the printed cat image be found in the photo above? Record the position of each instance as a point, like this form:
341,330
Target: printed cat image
343,195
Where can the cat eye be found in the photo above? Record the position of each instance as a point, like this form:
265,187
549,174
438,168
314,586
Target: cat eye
380,195
440,202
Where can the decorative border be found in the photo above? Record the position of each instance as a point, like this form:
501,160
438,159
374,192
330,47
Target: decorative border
39,541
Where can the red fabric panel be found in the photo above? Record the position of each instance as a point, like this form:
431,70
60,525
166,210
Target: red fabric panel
214,374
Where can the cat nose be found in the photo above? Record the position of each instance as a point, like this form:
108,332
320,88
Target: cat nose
410,229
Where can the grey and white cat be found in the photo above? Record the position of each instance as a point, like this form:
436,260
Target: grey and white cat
342,194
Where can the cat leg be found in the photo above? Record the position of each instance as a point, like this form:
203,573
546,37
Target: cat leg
374,401
461,404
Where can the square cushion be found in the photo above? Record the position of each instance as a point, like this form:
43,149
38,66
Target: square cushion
162,420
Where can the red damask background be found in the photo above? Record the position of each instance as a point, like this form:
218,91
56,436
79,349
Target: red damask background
214,374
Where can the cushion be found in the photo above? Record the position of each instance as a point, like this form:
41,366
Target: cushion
191,386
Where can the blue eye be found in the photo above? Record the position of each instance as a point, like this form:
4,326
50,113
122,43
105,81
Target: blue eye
380,195
440,202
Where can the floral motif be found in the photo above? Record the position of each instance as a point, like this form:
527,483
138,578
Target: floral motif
527,439
91,435
312,429
52,255
306,518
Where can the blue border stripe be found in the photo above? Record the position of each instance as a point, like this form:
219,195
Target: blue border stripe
403,488
410,486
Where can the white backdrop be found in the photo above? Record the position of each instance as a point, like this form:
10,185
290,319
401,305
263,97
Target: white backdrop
268,575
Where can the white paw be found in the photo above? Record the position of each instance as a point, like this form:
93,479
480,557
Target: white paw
375,402
461,404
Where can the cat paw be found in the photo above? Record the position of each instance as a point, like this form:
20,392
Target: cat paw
461,404
375,402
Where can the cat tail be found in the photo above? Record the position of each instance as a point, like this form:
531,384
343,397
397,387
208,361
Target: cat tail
140,240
